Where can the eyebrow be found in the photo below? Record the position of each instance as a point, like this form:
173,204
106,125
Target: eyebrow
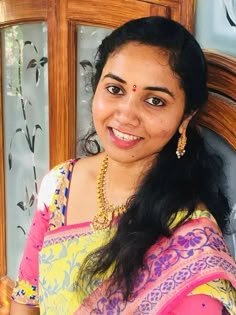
161,89
115,77
148,88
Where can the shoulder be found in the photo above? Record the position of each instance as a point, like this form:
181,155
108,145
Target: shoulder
74,171
87,167
59,173
61,169
200,214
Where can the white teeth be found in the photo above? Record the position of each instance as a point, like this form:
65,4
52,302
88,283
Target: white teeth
124,136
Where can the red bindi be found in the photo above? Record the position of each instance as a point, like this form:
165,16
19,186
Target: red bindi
134,88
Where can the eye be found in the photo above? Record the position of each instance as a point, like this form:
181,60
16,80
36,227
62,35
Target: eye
154,101
115,90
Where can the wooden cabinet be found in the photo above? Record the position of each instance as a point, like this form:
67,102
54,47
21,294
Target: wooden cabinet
62,17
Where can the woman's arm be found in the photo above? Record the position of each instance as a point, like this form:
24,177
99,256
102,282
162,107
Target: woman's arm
21,309
25,292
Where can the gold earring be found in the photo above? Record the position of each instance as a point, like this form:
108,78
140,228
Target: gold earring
181,144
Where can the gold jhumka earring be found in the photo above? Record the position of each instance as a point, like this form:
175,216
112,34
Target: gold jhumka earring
181,144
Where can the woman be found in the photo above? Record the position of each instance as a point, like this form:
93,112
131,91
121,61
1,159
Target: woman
135,229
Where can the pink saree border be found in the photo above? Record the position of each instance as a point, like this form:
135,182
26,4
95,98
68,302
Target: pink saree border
66,233
195,254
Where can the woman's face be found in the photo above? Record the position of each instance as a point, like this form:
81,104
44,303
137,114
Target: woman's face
138,104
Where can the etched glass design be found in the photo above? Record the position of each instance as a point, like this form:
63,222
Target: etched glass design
26,141
88,39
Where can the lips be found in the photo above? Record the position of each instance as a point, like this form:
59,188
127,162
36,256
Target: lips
124,136
123,140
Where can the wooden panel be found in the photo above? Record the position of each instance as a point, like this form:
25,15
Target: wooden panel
6,286
62,130
160,10
2,183
222,73
72,72
187,14
14,11
219,115
113,13
107,13
180,10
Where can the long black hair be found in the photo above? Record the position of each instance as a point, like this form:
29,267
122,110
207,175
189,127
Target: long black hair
171,184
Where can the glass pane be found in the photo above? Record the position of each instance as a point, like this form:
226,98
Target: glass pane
218,17
89,38
26,141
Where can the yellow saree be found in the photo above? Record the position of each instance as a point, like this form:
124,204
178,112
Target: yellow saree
195,260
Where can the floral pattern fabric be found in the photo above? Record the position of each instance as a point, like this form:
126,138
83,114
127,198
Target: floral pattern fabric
54,251
174,266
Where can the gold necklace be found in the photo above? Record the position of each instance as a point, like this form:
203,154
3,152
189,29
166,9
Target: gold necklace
102,220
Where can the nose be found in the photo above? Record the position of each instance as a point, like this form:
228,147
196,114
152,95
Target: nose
128,112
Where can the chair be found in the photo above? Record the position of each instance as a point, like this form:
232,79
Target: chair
219,115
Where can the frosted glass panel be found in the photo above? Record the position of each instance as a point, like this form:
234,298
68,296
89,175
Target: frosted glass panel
89,38
215,26
26,141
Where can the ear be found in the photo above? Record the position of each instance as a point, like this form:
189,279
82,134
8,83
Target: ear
186,120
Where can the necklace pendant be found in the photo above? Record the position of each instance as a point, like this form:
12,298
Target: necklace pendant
102,220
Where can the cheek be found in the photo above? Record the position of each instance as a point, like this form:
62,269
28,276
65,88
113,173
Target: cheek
166,135
97,109
99,106
165,129
100,113
95,115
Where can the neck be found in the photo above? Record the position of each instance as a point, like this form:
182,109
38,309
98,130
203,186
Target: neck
122,179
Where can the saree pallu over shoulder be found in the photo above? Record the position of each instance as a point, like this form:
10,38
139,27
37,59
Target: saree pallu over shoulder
194,255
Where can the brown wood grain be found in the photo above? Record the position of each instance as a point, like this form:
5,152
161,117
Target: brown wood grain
18,11
61,145
187,13
161,10
222,73
179,10
107,13
6,286
219,114
72,88
2,182
115,12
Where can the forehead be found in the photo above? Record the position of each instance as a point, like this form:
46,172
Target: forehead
139,61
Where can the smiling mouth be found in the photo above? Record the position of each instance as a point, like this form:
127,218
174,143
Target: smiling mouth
124,136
